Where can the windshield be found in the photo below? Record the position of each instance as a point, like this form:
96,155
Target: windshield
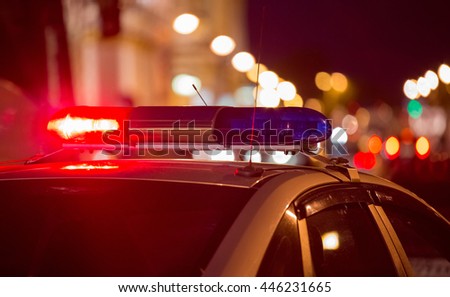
107,227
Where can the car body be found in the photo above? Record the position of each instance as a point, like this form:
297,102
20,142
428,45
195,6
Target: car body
175,217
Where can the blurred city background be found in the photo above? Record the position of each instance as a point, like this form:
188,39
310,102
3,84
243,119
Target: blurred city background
378,70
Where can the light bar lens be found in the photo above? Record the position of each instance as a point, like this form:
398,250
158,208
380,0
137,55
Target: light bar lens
71,127
87,123
272,126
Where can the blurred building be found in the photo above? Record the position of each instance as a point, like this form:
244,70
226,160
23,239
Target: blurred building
126,52
34,54
18,124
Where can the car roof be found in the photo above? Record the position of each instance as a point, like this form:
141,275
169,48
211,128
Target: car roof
175,170
192,171
216,173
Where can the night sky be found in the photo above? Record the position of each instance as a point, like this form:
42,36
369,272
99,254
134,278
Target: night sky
377,44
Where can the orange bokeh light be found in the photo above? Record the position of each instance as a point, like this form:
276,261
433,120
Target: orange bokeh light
407,136
375,144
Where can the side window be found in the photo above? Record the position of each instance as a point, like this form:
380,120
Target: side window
283,257
425,240
345,241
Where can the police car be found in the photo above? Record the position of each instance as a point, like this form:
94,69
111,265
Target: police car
124,194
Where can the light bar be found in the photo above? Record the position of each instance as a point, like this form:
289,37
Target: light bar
200,127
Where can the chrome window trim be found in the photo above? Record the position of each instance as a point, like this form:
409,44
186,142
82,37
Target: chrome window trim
388,240
393,244
308,266
395,240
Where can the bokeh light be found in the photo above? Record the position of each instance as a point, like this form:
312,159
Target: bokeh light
182,84
415,109
422,147
350,124
268,79
444,73
286,90
406,135
269,98
222,45
323,81
410,89
339,82
243,61
364,160
433,79
375,144
392,147
186,23
423,87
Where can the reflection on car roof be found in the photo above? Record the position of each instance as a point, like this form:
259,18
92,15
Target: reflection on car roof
192,171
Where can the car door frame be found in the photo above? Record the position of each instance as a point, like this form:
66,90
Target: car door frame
387,232
242,249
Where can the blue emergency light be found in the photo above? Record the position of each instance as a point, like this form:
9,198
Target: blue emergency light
270,126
